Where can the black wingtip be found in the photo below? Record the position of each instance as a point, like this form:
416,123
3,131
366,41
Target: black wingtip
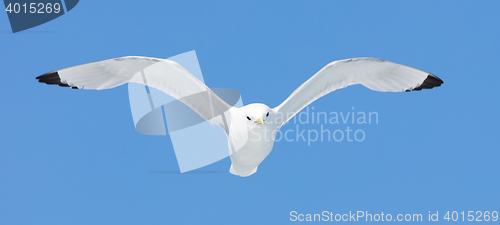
53,78
430,82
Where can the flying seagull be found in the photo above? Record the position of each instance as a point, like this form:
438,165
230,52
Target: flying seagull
251,129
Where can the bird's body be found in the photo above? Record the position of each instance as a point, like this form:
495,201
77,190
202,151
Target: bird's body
259,142
251,130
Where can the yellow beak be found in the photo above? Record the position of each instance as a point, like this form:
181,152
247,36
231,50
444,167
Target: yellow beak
260,120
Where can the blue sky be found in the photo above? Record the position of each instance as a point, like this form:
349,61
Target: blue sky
74,157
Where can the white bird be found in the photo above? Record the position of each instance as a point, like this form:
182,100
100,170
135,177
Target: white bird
251,130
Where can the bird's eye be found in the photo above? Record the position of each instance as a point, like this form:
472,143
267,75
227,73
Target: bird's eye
267,114
249,118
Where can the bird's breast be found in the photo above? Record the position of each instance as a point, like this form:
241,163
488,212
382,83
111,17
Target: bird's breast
257,147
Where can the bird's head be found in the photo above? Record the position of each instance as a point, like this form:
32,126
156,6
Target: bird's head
258,114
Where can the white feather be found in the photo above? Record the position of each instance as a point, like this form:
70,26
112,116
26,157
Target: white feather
164,75
249,140
375,74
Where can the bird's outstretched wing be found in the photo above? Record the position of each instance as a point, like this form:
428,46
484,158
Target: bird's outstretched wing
162,74
375,74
